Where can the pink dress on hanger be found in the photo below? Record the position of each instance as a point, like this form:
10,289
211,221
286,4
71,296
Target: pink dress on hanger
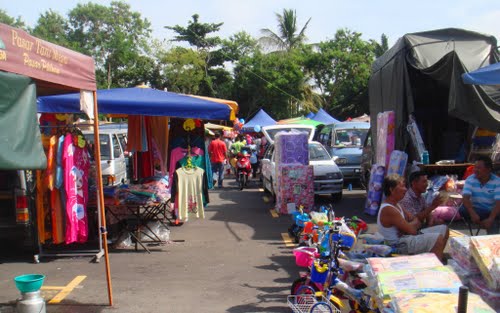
76,165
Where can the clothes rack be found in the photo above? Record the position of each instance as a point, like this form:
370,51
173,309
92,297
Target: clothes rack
96,249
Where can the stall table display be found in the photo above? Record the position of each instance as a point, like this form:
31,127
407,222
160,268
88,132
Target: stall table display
433,302
486,253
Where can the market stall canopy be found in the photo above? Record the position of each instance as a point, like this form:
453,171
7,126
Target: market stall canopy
217,127
324,117
55,67
362,118
300,121
139,101
233,104
261,119
488,75
421,75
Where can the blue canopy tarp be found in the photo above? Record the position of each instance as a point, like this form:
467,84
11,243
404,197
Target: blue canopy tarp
139,101
325,118
310,115
488,75
261,118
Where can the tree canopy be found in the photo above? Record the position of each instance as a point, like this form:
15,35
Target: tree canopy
279,71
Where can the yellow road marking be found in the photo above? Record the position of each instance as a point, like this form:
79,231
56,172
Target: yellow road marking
288,241
273,213
52,287
67,289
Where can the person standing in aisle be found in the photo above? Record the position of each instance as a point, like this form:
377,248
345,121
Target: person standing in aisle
218,156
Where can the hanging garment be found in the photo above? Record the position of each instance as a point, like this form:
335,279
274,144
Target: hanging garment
160,132
40,209
189,187
197,161
76,165
57,216
51,163
176,155
59,170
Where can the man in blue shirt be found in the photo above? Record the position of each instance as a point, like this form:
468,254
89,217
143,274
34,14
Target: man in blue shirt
481,194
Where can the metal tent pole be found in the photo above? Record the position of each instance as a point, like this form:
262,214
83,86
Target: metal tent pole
100,199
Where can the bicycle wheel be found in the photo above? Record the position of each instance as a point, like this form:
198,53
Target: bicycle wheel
321,307
300,285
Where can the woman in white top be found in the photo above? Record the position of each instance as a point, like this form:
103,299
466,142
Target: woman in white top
401,230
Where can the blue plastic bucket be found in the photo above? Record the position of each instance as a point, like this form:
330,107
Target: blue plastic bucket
29,282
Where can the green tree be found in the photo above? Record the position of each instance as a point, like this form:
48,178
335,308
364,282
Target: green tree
288,36
340,69
272,81
196,33
115,36
184,70
9,20
217,80
382,47
53,27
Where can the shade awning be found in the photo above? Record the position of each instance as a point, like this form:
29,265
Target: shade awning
233,104
324,117
488,75
139,101
260,119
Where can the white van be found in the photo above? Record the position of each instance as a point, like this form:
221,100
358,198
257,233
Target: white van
114,157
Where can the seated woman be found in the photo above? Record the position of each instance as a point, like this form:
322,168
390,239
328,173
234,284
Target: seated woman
401,229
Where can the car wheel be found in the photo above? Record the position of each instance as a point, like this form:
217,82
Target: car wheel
337,196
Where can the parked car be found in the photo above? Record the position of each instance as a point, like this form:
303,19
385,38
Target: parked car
114,157
344,142
328,179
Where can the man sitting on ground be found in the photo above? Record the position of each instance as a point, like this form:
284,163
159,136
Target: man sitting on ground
414,201
403,232
481,194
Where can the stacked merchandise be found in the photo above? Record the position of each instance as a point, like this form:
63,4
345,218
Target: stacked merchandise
429,302
294,175
474,261
385,137
462,261
374,196
486,252
408,274
397,163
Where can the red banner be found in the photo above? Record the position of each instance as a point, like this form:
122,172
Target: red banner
24,54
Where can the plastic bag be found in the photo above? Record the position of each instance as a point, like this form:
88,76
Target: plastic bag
123,241
154,231
318,217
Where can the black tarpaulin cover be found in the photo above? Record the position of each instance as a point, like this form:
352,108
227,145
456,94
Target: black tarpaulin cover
421,74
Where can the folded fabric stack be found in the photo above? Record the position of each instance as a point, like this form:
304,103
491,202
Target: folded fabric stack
416,273
419,261
461,253
436,279
432,302
486,253
296,187
492,297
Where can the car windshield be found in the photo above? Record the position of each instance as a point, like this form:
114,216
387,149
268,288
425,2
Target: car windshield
105,145
318,153
350,137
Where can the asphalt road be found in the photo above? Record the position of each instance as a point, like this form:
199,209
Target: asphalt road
235,260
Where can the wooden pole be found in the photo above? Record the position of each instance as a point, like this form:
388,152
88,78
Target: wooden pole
100,193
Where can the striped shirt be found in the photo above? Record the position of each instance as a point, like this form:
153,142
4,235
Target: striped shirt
483,197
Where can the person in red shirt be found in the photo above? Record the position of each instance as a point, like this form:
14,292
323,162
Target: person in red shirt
218,156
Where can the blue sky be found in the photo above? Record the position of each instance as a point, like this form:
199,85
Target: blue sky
369,17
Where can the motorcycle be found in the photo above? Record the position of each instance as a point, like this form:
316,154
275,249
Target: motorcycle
243,168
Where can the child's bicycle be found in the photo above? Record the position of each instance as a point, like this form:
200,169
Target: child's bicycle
324,280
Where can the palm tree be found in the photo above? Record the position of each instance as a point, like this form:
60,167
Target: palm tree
287,38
